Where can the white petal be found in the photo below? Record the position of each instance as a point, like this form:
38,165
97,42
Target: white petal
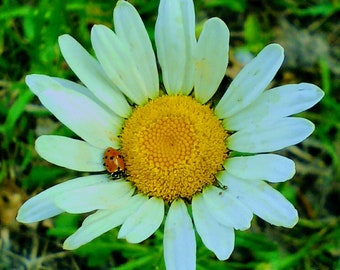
211,59
251,81
276,103
42,206
271,136
262,200
129,27
270,167
175,42
226,209
118,64
216,237
77,111
105,195
92,75
72,86
179,238
144,222
70,153
101,222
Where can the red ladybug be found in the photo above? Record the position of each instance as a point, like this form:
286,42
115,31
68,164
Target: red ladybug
114,163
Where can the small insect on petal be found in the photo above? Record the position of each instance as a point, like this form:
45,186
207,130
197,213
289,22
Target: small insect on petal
114,163
220,185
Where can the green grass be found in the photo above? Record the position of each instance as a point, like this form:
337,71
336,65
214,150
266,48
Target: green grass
28,44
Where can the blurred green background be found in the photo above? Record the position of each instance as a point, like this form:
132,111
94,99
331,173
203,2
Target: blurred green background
309,32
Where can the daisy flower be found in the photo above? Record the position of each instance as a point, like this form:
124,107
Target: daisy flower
179,158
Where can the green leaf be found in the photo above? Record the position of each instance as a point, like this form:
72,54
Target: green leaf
64,225
237,6
18,108
42,176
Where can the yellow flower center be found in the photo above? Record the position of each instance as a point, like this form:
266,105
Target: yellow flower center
173,147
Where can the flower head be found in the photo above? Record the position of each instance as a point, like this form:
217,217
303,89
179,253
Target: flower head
177,148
